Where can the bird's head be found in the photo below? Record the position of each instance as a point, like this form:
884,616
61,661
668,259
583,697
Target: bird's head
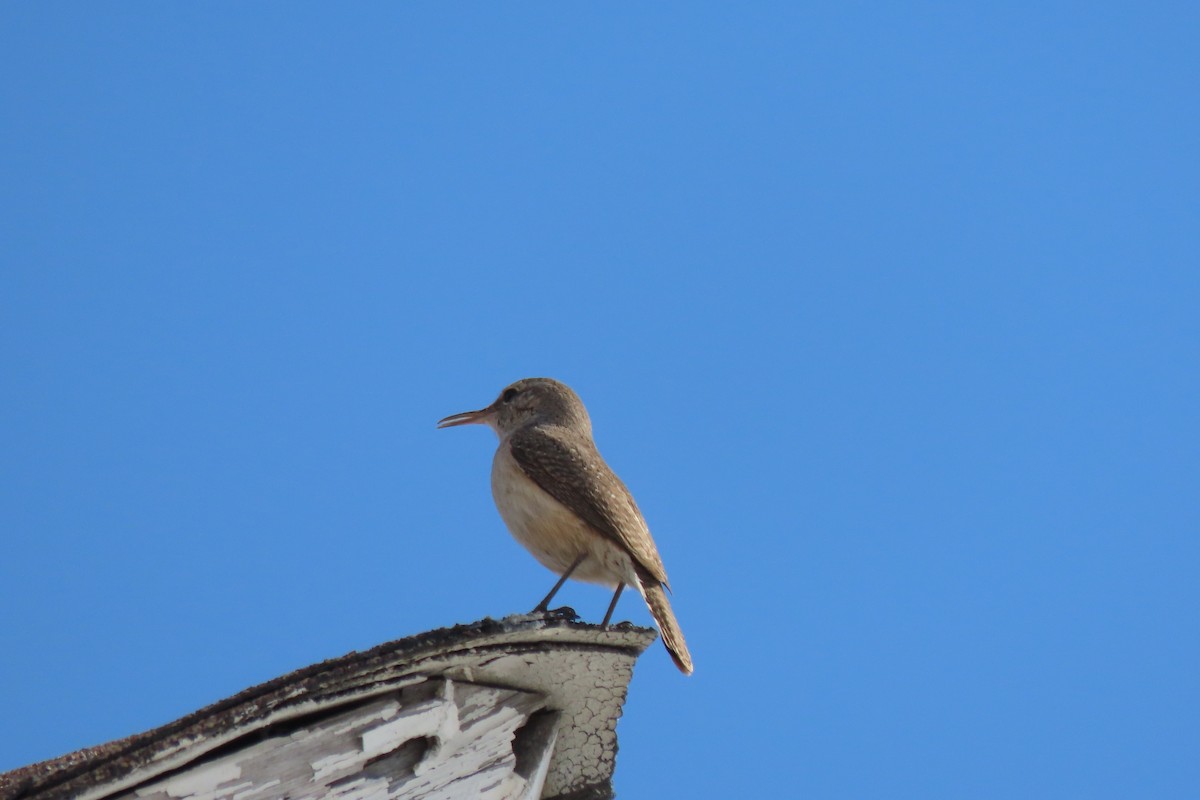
529,401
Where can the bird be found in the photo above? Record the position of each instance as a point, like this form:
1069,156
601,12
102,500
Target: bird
563,503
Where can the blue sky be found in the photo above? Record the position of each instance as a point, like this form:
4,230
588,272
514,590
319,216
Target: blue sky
887,314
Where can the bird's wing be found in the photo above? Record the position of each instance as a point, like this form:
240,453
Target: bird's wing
571,471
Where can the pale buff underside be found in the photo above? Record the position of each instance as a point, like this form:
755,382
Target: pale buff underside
551,531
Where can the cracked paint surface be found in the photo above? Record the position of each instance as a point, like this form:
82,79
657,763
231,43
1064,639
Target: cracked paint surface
516,708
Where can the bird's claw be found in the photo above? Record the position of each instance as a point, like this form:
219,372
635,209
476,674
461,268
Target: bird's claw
563,612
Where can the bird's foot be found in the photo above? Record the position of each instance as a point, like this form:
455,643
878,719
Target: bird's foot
563,612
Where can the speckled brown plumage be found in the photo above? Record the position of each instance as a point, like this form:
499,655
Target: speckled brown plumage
569,468
561,500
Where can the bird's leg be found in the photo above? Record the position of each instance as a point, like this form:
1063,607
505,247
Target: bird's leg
613,605
542,606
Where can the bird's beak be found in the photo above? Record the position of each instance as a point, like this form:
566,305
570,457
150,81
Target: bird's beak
479,417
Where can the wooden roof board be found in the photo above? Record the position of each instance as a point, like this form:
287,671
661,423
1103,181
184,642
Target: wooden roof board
576,667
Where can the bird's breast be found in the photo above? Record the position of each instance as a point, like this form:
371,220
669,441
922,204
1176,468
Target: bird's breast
554,534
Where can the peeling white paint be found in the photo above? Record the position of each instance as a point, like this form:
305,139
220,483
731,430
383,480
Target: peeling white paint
257,790
386,712
474,727
330,765
362,750
202,783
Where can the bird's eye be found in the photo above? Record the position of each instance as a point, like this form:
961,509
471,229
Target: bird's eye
508,395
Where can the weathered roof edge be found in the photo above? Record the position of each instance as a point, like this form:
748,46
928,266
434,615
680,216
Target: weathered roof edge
322,681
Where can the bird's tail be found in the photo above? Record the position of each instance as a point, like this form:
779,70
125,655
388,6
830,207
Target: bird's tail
660,609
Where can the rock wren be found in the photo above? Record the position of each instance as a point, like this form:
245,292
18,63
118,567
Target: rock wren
563,503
